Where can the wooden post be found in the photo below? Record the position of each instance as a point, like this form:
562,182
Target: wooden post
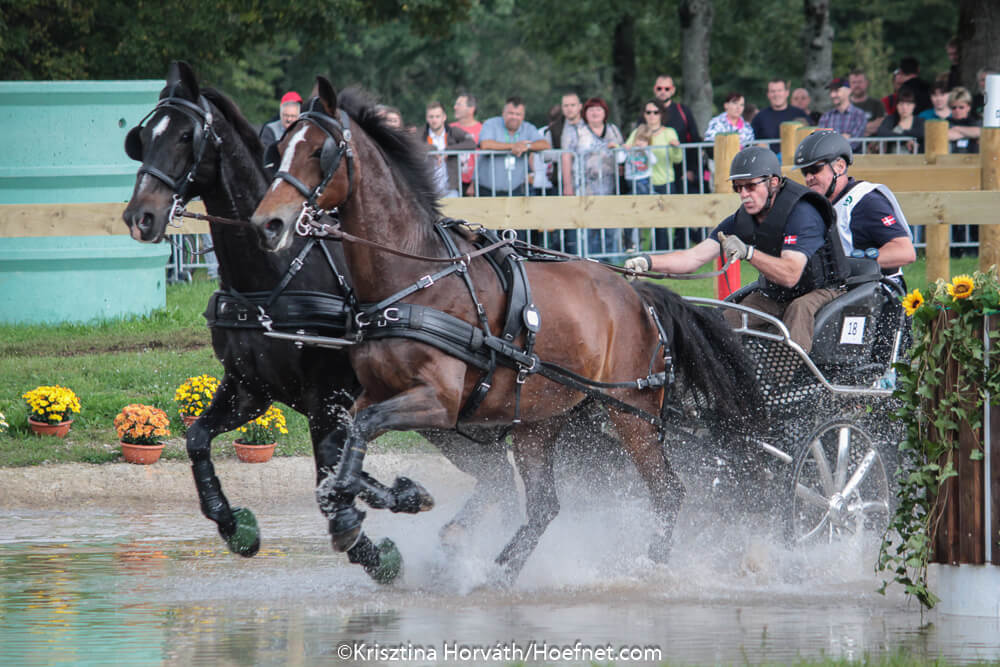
938,236
788,143
726,147
803,131
989,155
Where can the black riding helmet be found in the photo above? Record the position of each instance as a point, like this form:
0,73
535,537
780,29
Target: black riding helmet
823,146
754,161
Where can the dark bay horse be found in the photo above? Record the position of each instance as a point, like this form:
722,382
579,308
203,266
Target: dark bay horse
338,157
197,143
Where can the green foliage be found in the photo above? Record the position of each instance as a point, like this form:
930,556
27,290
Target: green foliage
948,334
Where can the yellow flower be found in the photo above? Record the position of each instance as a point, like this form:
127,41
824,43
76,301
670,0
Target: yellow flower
913,301
264,429
195,394
960,287
51,404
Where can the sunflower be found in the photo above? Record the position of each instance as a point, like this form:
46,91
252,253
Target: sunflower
913,301
960,287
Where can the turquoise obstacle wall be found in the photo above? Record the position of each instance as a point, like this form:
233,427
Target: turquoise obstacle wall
62,143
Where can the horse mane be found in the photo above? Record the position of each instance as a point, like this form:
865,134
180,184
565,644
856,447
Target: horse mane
240,124
404,155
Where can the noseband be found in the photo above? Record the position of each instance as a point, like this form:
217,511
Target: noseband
201,114
335,148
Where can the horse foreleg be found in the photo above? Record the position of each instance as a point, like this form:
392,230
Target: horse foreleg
231,406
338,489
533,454
665,487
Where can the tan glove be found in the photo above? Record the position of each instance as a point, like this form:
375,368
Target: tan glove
639,264
733,247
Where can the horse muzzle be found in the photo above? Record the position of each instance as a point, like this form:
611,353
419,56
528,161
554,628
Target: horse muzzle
274,232
145,223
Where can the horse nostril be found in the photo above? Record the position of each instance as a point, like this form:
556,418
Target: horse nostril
147,221
274,225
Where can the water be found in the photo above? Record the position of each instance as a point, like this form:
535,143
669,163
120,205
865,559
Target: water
94,585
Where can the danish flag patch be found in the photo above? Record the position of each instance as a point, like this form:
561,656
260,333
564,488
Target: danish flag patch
889,220
790,240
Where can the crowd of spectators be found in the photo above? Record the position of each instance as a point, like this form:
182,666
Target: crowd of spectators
582,151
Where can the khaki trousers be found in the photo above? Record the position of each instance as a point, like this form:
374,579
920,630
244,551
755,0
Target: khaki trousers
799,315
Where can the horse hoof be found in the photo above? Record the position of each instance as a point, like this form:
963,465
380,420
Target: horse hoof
390,563
411,497
245,540
345,527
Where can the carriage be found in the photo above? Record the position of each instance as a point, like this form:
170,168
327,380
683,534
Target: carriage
825,462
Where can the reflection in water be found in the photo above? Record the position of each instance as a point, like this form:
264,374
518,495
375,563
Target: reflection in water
94,587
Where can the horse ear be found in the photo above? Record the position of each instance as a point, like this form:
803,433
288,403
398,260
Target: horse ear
188,79
326,94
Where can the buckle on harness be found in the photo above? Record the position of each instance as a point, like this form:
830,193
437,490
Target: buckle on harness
425,282
523,371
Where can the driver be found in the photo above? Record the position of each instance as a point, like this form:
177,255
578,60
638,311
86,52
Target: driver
868,215
786,231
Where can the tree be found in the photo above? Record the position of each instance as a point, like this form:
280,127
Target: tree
696,32
818,37
978,35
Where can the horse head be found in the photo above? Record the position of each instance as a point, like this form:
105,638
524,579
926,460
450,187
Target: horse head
174,143
314,161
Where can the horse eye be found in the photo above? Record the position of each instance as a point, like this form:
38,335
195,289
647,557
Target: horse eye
188,136
317,153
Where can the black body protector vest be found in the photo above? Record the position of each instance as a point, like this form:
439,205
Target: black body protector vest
827,267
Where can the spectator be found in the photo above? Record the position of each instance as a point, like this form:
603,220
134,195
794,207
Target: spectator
803,100
909,68
731,120
465,118
903,123
441,137
509,133
844,117
664,141
889,101
545,174
391,116
665,151
640,161
571,126
939,102
963,126
288,113
767,123
874,112
679,117
954,78
594,146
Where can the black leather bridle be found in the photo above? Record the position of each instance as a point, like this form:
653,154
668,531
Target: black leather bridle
201,114
335,148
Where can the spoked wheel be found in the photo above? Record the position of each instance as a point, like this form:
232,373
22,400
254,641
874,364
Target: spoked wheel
840,486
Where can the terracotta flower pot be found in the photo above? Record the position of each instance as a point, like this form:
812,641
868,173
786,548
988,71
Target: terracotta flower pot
141,454
254,453
189,419
42,428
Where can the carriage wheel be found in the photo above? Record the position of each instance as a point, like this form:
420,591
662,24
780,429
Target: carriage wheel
840,486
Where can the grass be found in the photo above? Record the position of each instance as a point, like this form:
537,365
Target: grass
143,359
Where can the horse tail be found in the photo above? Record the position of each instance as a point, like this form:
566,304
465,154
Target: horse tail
708,357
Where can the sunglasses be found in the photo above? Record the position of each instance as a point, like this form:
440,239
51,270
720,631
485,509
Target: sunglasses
667,88
652,112
740,187
813,169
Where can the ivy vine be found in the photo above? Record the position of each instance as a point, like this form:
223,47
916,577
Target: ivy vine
944,384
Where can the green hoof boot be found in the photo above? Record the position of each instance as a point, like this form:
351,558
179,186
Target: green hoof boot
245,540
390,563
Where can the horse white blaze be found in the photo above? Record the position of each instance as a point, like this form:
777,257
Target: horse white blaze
286,157
161,127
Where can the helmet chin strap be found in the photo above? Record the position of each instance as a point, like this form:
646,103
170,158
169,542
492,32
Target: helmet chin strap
772,194
833,182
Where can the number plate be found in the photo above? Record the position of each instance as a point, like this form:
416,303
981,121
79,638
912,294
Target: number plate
853,331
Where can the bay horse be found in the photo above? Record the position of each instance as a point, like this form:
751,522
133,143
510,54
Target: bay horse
197,143
338,159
